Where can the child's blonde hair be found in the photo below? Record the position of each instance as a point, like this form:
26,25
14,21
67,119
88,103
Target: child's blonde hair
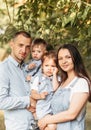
50,55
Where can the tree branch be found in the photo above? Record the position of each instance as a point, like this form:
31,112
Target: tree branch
8,10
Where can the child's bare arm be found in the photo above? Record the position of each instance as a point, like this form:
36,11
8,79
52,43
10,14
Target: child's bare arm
55,79
35,95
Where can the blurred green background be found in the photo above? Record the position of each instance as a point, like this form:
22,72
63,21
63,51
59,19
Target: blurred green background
57,21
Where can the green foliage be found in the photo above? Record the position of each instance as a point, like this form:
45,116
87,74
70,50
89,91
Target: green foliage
58,22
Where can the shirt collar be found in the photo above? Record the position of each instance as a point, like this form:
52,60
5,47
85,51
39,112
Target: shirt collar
45,77
37,61
15,62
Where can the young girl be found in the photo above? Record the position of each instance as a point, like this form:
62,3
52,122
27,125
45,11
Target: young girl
69,101
43,87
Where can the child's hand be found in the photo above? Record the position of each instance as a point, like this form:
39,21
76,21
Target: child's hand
28,78
31,66
43,95
55,70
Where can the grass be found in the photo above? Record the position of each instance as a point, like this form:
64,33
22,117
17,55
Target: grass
88,118
2,127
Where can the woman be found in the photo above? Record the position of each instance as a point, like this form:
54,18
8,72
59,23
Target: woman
69,101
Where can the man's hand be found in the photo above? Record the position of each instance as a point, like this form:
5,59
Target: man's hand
31,109
33,102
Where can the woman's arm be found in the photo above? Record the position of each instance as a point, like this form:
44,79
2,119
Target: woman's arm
77,103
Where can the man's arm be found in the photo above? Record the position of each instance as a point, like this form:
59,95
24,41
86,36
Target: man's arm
9,97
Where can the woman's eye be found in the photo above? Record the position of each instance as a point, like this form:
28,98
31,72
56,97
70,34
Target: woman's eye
68,57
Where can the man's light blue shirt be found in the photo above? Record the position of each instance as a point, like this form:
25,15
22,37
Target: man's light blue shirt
14,95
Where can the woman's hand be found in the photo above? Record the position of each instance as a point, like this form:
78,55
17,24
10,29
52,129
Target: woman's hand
42,123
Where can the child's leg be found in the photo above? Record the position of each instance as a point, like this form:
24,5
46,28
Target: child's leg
35,116
28,78
51,127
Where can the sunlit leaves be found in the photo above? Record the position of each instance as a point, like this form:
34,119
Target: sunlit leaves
57,21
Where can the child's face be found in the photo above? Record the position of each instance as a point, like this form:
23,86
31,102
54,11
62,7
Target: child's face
48,67
37,52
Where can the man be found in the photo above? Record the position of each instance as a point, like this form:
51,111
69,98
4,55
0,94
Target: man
14,90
